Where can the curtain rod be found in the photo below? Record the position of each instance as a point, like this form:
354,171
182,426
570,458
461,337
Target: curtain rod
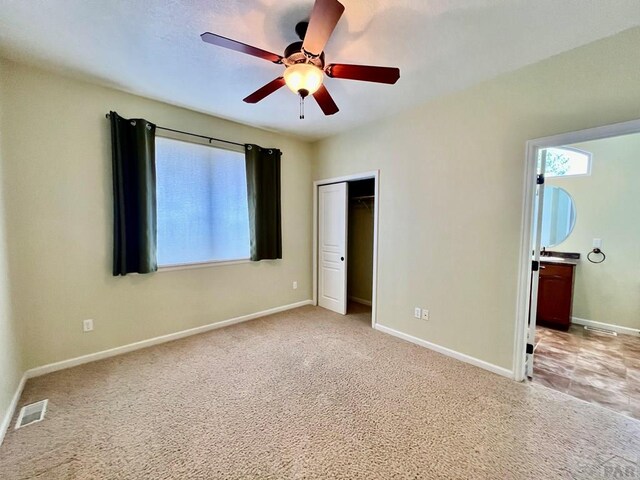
195,135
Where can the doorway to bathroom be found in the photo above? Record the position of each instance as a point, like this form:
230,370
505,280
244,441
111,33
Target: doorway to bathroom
580,301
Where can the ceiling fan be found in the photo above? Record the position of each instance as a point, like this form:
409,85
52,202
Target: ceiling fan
304,61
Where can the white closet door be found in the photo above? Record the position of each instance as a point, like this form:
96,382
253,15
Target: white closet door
332,241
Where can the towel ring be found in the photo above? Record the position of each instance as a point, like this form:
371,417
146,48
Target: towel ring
596,251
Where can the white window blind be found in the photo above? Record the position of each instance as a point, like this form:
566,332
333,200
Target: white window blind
201,204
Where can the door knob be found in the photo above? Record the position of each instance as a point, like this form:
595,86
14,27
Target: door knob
342,259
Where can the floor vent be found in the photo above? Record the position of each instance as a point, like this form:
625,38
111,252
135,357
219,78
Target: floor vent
32,413
601,330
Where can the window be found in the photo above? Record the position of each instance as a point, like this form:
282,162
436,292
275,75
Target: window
566,161
202,204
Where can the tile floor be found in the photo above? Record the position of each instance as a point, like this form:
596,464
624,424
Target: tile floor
592,366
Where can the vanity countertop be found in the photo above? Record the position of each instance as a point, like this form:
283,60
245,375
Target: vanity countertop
568,261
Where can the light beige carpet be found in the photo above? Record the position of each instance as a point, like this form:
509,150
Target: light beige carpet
307,394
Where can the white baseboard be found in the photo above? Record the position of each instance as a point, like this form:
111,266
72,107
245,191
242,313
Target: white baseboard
112,352
448,352
8,415
607,326
361,301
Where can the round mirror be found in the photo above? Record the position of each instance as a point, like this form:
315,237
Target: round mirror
558,216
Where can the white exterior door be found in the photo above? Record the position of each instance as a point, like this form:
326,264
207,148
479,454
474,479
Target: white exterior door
332,242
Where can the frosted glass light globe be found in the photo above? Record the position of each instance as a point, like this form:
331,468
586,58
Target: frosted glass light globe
303,76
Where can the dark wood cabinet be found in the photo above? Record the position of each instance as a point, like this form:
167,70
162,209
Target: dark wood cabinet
555,294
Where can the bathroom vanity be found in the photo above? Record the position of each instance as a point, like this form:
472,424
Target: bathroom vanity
555,291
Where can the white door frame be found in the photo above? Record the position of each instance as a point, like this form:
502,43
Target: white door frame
350,178
526,243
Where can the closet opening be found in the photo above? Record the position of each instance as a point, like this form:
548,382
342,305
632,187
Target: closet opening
345,245
360,245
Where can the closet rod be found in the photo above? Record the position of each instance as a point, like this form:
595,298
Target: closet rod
194,135
363,197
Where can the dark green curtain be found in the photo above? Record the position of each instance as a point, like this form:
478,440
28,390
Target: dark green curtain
134,195
263,193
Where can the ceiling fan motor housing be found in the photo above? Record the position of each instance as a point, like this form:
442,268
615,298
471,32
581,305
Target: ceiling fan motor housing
293,54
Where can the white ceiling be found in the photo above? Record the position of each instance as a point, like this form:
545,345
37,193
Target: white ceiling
153,48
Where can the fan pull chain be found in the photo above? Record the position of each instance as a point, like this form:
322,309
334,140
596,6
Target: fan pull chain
301,107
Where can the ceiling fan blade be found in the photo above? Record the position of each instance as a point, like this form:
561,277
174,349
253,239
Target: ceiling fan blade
325,101
365,73
265,91
323,20
220,41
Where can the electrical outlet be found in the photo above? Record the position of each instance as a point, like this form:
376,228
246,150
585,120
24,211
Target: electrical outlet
87,325
295,285
425,314
417,312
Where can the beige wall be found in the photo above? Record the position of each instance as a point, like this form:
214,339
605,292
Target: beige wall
451,183
59,205
608,207
360,266
10,355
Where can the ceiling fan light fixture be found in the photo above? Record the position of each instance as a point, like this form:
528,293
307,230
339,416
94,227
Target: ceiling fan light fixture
303,78
304,61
